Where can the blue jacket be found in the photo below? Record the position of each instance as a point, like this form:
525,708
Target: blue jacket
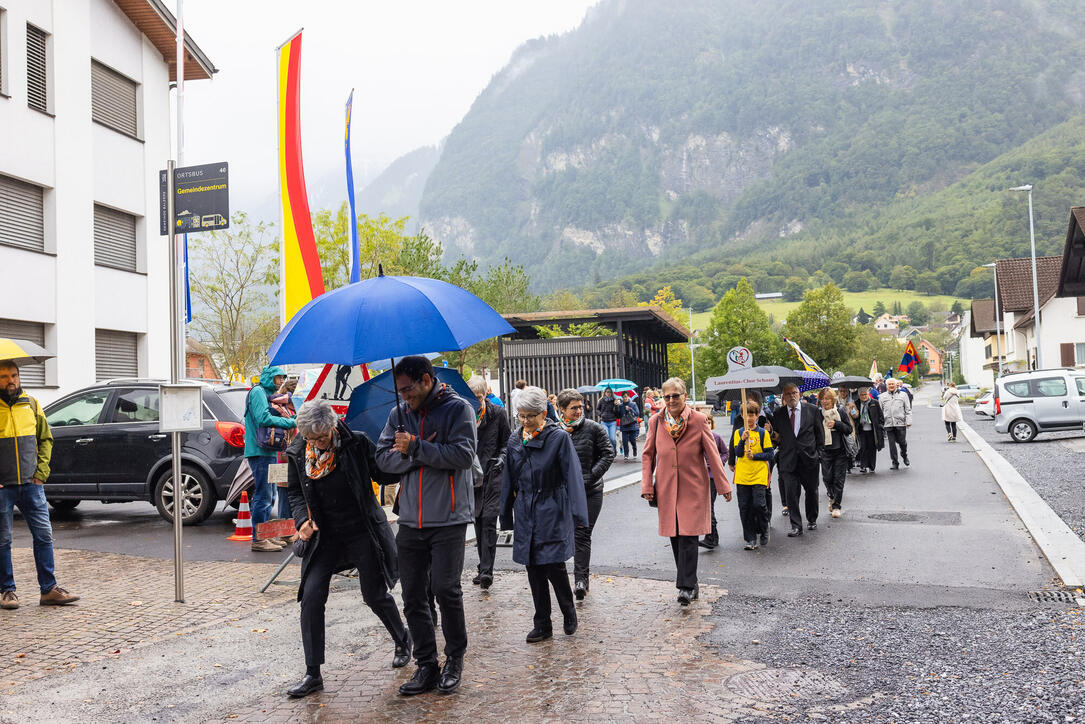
258,413
543,488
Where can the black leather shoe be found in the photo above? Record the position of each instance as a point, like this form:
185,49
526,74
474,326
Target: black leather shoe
686,595
570,624
425,679
580,590
539,634
307,686
905,461
764,539
812,526
795,532
708,542
403,654
894,466
450,677
485,580
477,579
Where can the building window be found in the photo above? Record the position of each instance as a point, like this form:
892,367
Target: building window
987,351
22,215
114,239
37,68
1080,348
114,99
115,354
29,375
3,52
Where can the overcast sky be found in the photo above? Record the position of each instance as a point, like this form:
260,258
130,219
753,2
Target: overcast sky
415,66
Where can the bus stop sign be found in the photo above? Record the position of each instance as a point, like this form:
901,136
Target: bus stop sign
201,198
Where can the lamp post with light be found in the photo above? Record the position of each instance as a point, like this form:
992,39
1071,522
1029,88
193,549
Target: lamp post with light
998,319
1035,284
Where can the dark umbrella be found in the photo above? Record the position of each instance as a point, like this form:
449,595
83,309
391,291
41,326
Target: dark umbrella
812,380
373,400
853,382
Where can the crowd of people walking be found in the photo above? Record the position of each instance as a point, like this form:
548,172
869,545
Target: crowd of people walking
538,469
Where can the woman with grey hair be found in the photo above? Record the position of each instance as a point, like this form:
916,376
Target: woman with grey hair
542,487
492,428
340,526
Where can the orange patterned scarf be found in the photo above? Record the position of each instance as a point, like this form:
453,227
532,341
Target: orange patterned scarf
674,426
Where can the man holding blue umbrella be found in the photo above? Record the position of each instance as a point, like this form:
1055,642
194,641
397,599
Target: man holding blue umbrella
429,441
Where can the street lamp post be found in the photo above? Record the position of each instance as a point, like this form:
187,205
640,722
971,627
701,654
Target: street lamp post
692,364
1035,284
998,320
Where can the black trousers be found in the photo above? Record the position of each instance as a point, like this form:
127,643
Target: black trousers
796,482
834,471
629,437
684,548
540,578
868,449
752,510
951,428
329,557
582,557
433,557
714,536
897,437
486,543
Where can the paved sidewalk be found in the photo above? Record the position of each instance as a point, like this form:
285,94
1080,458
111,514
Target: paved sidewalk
126,602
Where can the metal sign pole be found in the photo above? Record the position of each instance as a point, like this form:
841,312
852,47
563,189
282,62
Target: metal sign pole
175,377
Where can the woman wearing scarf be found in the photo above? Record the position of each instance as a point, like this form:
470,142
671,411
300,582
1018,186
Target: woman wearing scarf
543,487
834,455
675,479
593,449
330,477
492,426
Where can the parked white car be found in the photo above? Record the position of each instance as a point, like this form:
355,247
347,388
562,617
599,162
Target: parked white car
1027,403
985,405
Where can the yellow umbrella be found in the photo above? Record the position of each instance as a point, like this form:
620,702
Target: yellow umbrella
20,350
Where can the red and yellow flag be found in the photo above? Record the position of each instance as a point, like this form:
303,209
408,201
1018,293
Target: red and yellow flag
301,277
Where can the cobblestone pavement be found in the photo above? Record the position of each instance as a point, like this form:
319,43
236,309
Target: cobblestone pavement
637,656
126,602
1051,464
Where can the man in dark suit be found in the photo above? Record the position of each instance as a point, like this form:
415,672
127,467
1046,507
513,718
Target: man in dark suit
794,432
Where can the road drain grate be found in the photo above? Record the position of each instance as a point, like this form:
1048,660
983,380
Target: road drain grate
1056,597
784,685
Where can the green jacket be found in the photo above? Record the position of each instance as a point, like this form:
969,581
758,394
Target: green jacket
258,412
26,443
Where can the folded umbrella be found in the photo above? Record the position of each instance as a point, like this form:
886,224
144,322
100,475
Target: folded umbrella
21,351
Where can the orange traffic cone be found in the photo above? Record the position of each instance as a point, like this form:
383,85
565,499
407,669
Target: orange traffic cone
243,521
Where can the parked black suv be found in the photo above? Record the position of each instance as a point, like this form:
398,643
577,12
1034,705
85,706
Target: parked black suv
107,447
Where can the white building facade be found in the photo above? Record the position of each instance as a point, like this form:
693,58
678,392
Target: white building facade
84,130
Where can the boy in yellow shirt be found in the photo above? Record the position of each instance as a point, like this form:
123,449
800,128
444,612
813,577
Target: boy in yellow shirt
749,458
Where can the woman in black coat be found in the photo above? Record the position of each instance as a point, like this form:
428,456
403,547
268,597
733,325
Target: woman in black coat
543,489
868,420
493,436
832,428
340,526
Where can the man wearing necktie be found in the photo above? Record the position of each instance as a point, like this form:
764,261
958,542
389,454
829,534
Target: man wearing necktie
794,433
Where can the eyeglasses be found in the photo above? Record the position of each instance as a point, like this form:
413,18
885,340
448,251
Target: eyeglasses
674,397
529,415
408,388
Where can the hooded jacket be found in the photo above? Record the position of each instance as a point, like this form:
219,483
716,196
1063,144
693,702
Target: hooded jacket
26,443
436,487
896,407
258,412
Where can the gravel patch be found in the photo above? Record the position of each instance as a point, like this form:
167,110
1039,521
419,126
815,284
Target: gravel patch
899,664
1048,463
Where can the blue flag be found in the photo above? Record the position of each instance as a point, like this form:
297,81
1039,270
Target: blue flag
355,264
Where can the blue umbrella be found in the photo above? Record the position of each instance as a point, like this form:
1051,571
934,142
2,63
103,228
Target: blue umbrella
385,317
812,380
617,384
372,401
387,363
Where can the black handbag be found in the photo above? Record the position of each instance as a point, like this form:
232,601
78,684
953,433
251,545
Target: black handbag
301,547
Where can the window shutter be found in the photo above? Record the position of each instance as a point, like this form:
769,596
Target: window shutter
113,99
1066,352
22,215
115,354
29,374
1081,306
114,238
37,90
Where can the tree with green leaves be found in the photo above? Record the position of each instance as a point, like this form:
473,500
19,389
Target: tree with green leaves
956,308
927,283
822,326
862,317
903,277
870,346
738,321
879,308
794,288
918,314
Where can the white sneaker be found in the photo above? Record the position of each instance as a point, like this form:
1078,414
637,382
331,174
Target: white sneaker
837,512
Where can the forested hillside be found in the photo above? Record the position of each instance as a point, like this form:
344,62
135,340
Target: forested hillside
722,138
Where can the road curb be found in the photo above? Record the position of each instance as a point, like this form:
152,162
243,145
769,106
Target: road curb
1060,545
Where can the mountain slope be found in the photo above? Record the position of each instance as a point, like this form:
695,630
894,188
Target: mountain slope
713,130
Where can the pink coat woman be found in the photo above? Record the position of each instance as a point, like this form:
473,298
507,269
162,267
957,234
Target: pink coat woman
681,478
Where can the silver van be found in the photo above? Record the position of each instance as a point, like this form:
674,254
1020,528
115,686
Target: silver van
1027,403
